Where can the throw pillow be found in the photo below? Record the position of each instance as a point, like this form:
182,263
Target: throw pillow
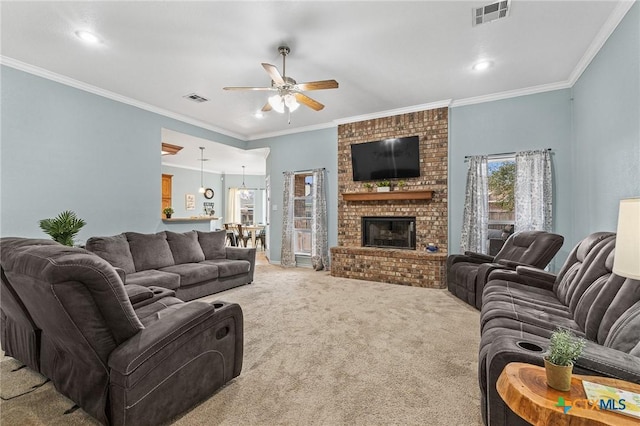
149,251
114,250
184,247
212,244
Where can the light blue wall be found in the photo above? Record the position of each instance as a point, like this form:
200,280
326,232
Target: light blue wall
67,149
187,181
524,123
606,116
301,151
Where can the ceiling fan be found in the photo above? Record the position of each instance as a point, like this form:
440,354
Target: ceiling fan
289,96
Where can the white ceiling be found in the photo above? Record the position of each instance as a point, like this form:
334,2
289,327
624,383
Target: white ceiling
386,55
219,158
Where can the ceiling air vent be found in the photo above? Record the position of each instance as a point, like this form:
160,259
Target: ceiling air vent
491,12
195,98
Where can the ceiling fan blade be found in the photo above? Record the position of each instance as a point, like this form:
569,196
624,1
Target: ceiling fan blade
318,85
248,88
311,103
266,107
273,73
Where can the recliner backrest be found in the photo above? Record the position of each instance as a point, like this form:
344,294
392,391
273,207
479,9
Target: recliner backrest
574,262
617,296
535,248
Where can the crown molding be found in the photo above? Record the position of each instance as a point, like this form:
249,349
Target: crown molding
392,112
601,38
511,94
49,75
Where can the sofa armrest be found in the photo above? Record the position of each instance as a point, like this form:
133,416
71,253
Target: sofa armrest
178,326
526,275
511,264
138,293
598,360
241,253
479,256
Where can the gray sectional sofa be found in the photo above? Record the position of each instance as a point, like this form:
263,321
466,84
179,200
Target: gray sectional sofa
193,264
126,354
522,308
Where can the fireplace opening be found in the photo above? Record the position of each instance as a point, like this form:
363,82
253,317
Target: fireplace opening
389,232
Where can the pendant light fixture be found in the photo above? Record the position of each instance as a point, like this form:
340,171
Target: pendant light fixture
243,192
201,190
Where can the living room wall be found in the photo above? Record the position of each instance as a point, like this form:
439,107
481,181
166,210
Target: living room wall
606,138
592,128
68,149
300,151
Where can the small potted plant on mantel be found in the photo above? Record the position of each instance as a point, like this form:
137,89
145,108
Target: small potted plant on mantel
384,186
168,211
564,349
368,186
401,185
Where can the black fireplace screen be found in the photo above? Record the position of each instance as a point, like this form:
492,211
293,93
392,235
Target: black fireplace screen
389,232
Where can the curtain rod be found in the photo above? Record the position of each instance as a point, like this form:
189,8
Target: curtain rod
466,157
306,171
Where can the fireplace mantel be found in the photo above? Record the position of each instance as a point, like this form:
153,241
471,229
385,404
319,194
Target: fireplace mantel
392,195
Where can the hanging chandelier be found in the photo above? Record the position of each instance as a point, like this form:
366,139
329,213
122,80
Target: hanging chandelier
243,192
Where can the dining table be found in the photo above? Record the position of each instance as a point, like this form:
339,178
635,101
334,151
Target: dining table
253,230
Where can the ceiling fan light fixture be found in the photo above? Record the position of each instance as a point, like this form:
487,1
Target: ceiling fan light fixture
277,103
291,102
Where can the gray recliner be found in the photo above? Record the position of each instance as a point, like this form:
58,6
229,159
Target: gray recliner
467,273
121,363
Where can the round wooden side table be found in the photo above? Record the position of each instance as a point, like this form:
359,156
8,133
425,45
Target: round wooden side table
523,387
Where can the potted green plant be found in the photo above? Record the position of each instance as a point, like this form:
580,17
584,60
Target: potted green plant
168,211
368,186
383,186
401,185
564,349
63,227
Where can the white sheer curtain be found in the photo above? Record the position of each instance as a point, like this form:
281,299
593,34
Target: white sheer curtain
287,255
319,234
475,225
233,206
533,191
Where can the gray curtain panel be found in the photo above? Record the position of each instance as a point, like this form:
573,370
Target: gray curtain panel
533,191
475,225
287,256
319,234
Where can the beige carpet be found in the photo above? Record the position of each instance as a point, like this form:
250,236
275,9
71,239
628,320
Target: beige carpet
321,350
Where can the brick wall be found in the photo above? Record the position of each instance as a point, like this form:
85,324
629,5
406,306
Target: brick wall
431,216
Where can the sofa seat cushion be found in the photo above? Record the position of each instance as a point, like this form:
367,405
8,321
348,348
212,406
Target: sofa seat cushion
154,278
229,267
193,273
213,244
114,250
149,314
185,247
549,320
509,291
150,251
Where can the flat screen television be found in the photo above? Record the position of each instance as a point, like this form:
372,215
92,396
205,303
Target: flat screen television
386,159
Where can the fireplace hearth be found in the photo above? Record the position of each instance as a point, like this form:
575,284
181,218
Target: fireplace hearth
391,232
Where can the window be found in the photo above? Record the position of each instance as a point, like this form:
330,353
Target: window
247,207
502,178
302,212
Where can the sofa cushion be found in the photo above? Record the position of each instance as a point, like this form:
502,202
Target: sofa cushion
154,278
149,251
114,250
138,293
184,247
212,244
193,273
229,268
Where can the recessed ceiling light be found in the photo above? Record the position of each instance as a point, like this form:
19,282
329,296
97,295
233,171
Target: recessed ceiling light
481,66
258,114
88,37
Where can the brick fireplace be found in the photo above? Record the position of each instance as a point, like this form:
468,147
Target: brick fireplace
423,200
